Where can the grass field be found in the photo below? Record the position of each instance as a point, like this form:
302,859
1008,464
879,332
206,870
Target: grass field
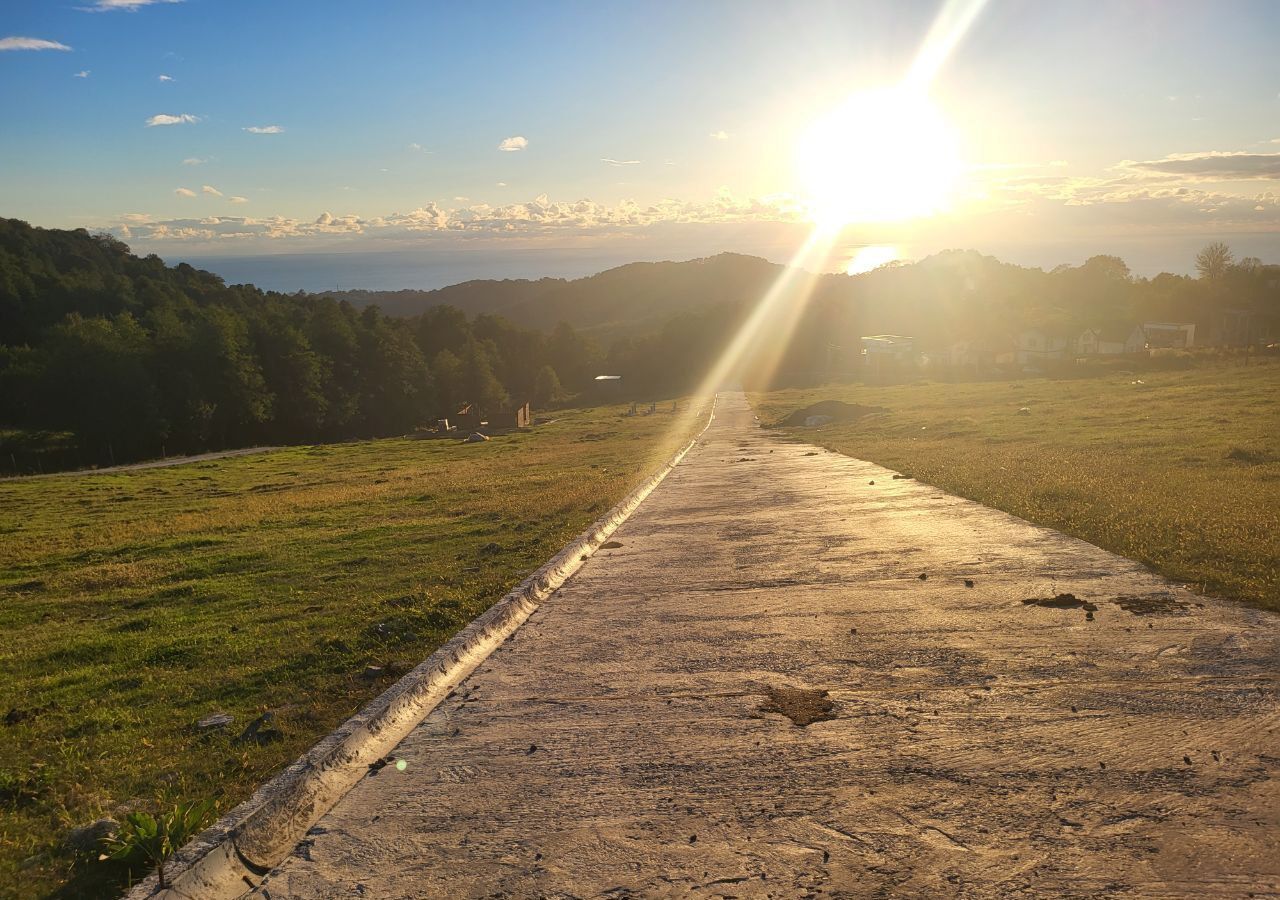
1181,472
133,604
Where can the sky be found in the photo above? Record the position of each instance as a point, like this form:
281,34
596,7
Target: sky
402,143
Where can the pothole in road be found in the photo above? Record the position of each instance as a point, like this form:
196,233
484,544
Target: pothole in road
803,706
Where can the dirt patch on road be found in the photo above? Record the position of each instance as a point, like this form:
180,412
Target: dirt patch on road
1061,601
1153,605
801,705
833,412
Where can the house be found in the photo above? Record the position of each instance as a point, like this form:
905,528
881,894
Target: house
1035,346
980,355
1111,339
887,355
1170,334
887,346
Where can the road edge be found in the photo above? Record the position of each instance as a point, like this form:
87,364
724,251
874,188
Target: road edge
232,856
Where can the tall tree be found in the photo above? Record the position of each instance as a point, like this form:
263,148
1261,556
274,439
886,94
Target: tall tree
478,381
547,389
1214,261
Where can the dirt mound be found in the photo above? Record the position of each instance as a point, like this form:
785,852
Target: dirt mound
831,412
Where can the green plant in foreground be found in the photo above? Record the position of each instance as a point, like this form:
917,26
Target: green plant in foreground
145,840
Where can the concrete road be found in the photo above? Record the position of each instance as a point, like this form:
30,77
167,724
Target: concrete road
633,737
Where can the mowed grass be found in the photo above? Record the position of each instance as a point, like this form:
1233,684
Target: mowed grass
133,604
1181,472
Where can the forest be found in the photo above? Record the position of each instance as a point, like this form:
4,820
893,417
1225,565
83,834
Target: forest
109,357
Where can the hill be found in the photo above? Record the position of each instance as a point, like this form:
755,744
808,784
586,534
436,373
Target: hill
630,299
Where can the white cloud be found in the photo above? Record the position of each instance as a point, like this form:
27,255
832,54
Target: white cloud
184,192
237,199
126,5
721,135
194,161
540,216
264,129
83,73
512,144
620,162
166,78
26,43
501,184
418,148
211,190
162,119
1212,165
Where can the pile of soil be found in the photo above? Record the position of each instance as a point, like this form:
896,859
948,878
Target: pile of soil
839,411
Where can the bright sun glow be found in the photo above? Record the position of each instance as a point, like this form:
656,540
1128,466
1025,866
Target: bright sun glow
881,156
871,257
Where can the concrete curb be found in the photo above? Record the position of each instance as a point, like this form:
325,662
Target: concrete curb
231,857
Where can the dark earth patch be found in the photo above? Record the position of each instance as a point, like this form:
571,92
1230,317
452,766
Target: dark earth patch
803,706
1061,601
839,411
1151,605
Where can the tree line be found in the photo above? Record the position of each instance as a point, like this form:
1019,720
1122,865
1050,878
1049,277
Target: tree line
136,358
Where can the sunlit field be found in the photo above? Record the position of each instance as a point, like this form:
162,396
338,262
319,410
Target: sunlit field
1179,470
135,604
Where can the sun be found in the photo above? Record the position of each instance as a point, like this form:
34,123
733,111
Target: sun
881,156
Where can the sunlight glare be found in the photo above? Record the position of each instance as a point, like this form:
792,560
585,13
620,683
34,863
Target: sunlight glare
881,156
871,257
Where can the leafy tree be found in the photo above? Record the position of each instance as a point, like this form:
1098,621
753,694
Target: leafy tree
229,377
397,392
1214,261
480,385
96,381
571,355
450,388
295,377
546,388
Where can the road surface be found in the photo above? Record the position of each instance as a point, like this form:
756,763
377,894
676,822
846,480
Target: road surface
633,737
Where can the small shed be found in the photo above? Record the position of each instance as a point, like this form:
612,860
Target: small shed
510,419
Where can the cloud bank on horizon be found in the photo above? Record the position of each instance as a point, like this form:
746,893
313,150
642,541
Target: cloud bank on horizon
1156,148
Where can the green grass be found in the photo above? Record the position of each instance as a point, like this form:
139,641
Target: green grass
132,604
1181,473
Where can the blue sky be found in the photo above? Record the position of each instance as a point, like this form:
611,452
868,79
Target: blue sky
649,130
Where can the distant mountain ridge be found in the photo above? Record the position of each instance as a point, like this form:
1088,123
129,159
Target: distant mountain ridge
630,298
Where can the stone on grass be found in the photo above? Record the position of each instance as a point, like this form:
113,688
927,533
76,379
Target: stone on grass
87,839
215,720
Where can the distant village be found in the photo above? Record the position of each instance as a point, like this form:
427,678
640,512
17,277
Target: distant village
1037,350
